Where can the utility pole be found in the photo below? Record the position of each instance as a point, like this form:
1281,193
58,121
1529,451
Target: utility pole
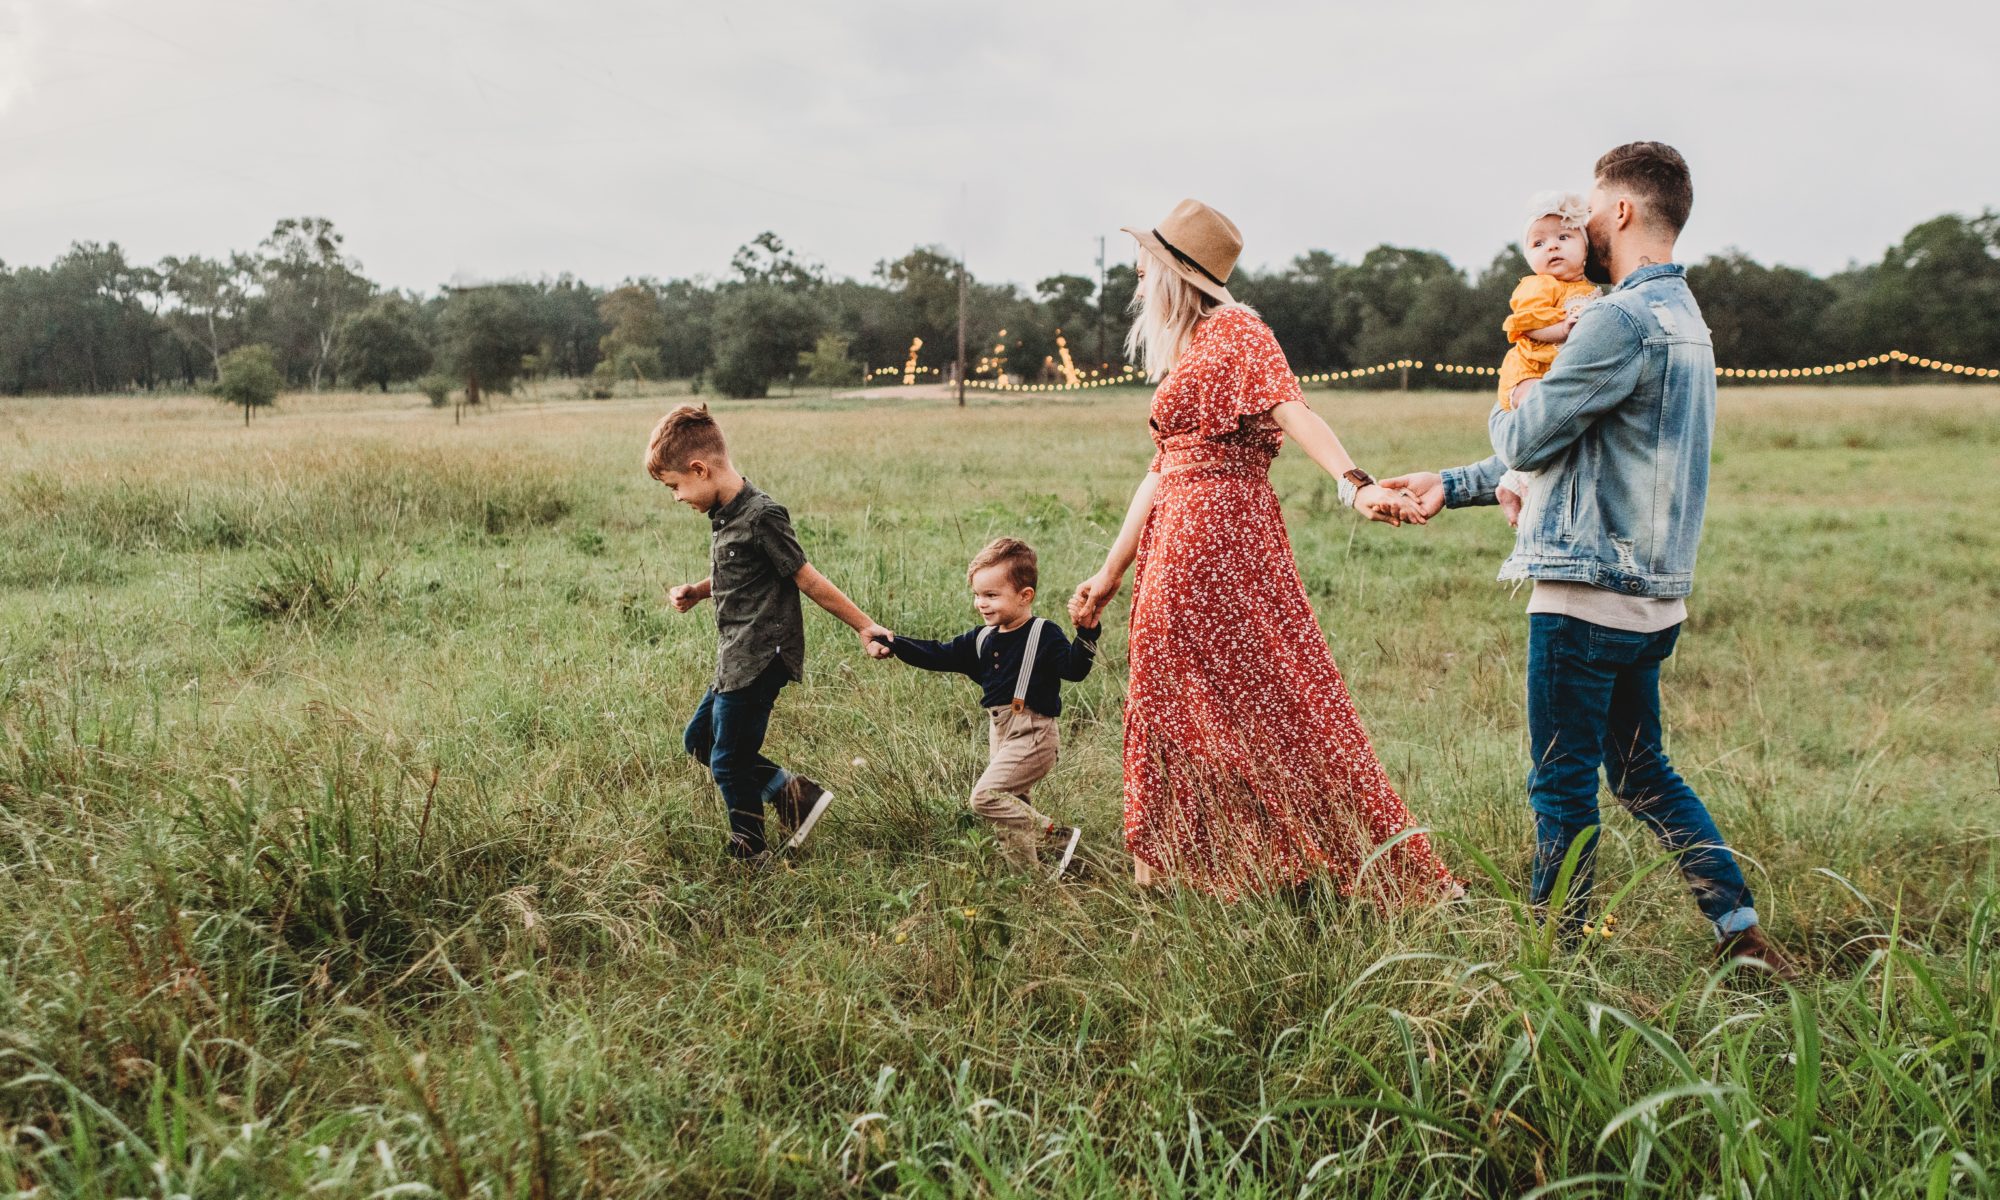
1102,358
961,329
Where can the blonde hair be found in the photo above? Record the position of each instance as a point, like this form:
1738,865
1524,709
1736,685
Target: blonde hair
683,435
1165,310
1568,207
1014,554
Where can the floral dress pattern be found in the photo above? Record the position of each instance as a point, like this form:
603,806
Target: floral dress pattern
1245,765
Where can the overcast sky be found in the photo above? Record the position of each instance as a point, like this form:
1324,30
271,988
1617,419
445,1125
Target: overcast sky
501,138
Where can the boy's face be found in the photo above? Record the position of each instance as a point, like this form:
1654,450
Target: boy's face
1555,249
693,485
999,602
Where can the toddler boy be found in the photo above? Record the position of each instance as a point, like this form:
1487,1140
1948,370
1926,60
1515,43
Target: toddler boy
1020,661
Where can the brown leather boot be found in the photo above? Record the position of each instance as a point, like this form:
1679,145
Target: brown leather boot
1762,951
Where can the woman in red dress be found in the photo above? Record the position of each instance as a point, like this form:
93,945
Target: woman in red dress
1245,765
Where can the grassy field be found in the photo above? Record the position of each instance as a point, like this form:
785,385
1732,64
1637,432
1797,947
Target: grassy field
347,845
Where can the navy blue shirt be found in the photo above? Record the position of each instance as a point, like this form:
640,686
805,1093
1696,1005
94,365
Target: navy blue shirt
999,668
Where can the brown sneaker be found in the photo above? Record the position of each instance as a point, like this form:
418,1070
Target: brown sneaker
799,806
1762,953
1061,840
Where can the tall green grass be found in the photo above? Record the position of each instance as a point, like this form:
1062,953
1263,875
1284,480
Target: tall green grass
352,852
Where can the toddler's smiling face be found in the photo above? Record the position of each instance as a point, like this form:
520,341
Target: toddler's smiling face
997,598
1555,249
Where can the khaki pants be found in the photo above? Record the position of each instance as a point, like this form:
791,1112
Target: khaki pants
1022,748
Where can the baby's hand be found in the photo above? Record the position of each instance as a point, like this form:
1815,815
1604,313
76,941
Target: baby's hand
1510,504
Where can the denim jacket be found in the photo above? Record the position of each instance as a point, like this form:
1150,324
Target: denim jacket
1619,431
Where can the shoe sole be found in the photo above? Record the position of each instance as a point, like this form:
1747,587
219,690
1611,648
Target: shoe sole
812,817
1069,852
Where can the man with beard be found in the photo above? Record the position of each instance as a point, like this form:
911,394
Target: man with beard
1620,430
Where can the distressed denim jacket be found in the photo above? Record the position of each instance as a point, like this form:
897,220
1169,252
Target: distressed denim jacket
1619,431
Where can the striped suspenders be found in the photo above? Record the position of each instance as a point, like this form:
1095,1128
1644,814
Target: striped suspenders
1027,658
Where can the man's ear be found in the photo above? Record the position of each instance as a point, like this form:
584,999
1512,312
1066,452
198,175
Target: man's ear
1627,214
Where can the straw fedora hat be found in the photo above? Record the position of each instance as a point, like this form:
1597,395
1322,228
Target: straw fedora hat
1198,243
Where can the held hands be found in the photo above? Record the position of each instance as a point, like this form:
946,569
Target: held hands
875,640
685,596
1390,504
1087,605
1425,487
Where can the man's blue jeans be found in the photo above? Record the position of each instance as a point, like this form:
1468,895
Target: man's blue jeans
1594,700
727,736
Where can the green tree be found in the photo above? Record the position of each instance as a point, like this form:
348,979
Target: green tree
637,331
248,375
688,309
1760,316
309,287
1121,284
827,365
761,331
1479,340
766,259
1413,303
1310,306
483,334
1071,302
568,325
207,301
1937,293
436,388
384,343
85,323
925,282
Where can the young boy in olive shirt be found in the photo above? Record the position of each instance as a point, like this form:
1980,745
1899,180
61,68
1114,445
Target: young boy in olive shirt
757,570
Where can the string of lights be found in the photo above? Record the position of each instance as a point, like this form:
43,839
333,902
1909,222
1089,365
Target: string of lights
1859,364
1096,379
1129,374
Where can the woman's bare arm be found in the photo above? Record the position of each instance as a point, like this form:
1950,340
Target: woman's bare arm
1322,445
1096,592
1126,547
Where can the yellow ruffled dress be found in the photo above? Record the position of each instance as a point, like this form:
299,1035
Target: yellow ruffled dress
1538,302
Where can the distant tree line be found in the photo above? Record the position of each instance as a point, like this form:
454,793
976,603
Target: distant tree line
94,322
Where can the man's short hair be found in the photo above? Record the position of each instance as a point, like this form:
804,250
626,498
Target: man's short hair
1657,174
1014,554
683,435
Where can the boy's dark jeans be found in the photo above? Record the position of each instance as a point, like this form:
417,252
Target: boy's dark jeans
727,736
1594,699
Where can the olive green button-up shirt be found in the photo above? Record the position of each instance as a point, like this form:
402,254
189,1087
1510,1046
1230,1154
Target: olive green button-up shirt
753,557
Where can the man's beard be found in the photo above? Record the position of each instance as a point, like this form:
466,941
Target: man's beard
1596,264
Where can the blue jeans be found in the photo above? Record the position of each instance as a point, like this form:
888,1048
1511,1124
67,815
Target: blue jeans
1594,700
727,736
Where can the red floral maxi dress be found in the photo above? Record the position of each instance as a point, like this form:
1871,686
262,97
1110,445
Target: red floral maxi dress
1245,765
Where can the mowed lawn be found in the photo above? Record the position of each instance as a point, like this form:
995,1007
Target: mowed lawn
347,843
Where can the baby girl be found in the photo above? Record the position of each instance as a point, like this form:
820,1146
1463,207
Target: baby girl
1545,307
